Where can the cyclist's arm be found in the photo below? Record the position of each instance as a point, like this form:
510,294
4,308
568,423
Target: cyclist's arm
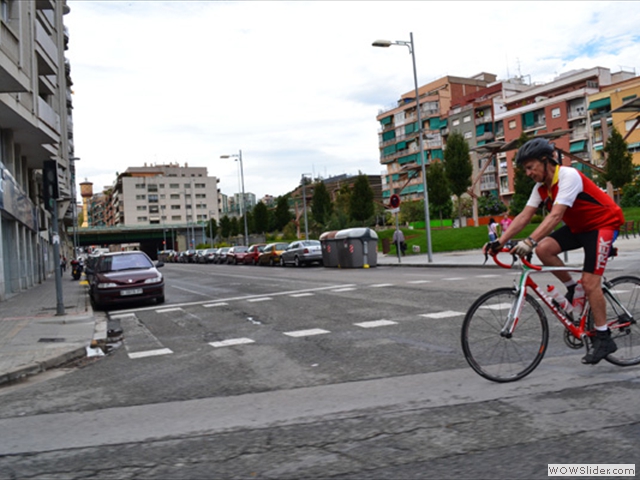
550,222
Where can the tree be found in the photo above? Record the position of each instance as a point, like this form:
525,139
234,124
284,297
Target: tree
490,205
361,201
260,218
440,204
321,206
235,227
282,214
458,166
412,211
619,168
225,227
522,185
212,228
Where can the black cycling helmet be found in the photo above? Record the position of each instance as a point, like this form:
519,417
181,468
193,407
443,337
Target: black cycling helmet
538,149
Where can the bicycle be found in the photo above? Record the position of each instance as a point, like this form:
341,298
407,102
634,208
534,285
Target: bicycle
505,332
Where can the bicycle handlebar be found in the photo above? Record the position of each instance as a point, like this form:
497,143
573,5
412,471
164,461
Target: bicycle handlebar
494,255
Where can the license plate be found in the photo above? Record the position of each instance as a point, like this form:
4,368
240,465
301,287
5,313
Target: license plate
133,291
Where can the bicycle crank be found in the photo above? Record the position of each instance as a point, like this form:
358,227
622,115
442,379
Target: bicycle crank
571,341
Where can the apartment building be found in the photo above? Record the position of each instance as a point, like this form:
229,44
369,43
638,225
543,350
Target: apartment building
398,135
35,125
165,195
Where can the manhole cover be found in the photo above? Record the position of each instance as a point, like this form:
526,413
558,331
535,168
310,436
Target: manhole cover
51,340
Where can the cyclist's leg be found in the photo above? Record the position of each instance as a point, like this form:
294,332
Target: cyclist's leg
549,248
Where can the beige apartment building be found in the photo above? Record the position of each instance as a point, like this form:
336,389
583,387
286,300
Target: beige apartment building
35,125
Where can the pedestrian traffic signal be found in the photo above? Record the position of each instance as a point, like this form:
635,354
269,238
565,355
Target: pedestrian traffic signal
394,201
50,183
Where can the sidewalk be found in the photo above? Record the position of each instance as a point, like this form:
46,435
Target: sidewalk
33,339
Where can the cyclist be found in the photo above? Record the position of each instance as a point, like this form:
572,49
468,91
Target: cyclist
592,221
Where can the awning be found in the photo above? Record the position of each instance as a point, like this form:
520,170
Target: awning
386,120
603,102
401,145
578,146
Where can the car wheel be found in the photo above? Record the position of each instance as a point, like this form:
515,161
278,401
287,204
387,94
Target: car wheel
296,262
271,262
282,264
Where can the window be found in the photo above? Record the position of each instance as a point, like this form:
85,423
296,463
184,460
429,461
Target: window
143,219
201,195
153,198
468,135
187,185
152,188
176,217
161,185
512,124
174,185
456,122
629,124
200,185
154,209
555,113
466,119
141,197
140,185
175,196
175,207
141,207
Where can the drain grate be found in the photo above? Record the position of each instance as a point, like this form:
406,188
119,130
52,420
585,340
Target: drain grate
51,340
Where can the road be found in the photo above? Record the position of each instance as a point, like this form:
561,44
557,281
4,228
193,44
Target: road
258,372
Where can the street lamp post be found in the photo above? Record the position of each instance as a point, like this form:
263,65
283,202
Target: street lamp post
410,45
304,206
244,203
75,206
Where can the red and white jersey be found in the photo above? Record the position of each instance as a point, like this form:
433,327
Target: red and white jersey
589,207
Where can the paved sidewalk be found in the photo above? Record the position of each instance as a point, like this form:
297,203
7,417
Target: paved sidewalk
34,339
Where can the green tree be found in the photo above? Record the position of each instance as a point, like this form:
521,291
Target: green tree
458,167
412,211
321,206
490,205
361,201
619,168
225,227
282,214
235,227
212,228
440,204
260,218
631,194
522,185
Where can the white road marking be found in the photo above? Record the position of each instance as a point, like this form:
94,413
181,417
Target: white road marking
348,289
219,304
306,333
167,310
381,285
230,342
497,306
191,291
120,317
487,276
150,353
298,295
260,299
419,281
445,314
452,279
375,323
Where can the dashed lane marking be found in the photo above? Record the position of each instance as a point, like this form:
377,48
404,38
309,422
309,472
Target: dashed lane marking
487,276
445,314
416,282
231,341
381,285
219,304
453,279
260,299
348,289
299,295
497,306
375,323
167,310
306,333
150,353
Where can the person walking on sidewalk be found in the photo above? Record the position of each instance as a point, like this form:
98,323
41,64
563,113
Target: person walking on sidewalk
493,230
398,239
592,222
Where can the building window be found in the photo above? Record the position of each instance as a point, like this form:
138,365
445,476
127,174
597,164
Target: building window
152,188
200,185
141,197
187,185
466,119
154,209
176,217
141,207
175,207
140,185
201,195
174,185
161,185
512,124
555,113
456,122
175,196
154,222
153,198
143,219
468,135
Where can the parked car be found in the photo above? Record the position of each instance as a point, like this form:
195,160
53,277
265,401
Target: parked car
198,257
236,254
302,252
122,277
208,255
254,251
221,255
271,254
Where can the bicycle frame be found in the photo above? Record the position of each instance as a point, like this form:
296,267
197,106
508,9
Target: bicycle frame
578,329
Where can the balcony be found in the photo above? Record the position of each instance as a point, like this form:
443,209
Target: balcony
48,115
46,65
484,119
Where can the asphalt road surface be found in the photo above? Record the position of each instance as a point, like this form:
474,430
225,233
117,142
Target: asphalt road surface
270,372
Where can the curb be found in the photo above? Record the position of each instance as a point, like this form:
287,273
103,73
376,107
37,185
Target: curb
39,367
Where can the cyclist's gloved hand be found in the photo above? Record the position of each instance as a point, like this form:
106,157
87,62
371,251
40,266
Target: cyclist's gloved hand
495,246
523,248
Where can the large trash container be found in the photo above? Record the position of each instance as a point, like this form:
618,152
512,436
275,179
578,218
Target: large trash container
357,248
329,249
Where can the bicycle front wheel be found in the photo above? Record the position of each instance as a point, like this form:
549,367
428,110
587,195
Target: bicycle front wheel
625,331
499,357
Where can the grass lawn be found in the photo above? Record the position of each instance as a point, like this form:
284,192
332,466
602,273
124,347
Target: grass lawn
466,238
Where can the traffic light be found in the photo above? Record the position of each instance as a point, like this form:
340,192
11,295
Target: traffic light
394,201
50,183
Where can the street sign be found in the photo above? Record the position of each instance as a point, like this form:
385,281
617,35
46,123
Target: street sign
394,201
394,210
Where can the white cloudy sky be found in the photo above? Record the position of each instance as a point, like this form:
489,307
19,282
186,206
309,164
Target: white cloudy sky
297,85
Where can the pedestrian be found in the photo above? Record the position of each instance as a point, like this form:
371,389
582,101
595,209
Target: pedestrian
505,222
398,239
493,230
592,221
63,264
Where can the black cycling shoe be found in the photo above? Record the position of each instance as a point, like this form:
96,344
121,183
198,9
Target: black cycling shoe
601,346
570,291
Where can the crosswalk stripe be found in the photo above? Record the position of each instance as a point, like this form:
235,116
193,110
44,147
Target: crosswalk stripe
306,333
376,323
445,314
231,341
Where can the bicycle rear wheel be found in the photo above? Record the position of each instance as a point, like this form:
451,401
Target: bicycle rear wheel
625,331
498,357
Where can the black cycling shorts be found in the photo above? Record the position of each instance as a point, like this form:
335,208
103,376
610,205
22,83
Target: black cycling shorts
596,244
